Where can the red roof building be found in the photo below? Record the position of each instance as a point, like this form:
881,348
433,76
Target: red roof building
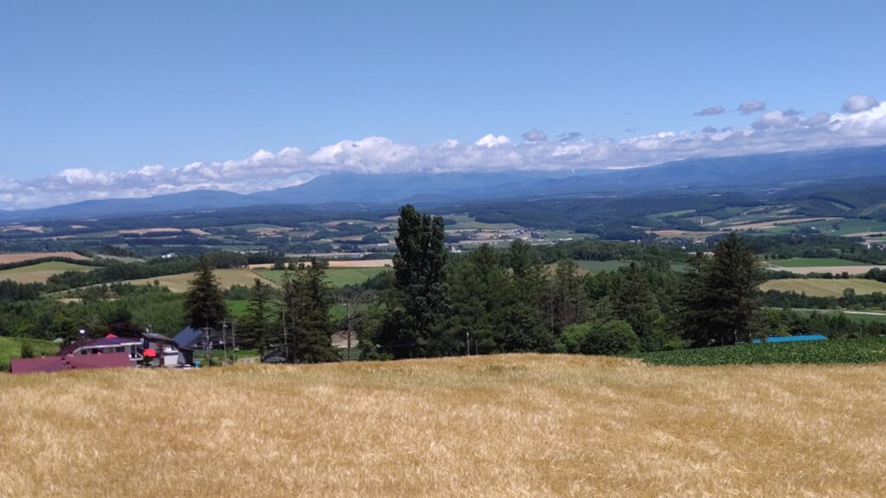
48,364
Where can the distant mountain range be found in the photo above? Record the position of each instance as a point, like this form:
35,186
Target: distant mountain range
744,173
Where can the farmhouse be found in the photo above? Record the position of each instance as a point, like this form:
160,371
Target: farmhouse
165,352
106,345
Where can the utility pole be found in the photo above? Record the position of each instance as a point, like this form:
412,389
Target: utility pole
468,341
285,334
225,339
234,338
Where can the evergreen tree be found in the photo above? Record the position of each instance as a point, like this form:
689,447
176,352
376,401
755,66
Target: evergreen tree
635,304
566,297
258,331
479,290
306,301
719,296
205,305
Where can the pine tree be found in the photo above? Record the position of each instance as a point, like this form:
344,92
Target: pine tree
733,280
306,301
258,331
719,296
205,304
480,290
566,297
635,303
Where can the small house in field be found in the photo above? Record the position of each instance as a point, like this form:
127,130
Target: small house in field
165,352
106,345
196,339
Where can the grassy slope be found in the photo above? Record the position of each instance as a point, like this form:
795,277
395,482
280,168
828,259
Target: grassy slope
854,226
227,278
11,347
40,272
338,277
824,287
519,425
812,262
601,266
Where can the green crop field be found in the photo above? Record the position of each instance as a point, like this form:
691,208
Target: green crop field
855,226
818,352
864,317
11,349
820,287
601,266
338,277
814,262
40,272
237,308
464,222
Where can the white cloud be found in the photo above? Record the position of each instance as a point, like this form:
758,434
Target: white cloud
777,119
774,131
493,141
859,103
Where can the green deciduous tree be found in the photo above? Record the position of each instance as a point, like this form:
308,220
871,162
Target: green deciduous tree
420,279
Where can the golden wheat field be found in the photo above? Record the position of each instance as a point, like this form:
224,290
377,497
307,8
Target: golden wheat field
520,425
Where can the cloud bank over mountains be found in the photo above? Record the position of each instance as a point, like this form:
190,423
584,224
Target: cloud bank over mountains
860,122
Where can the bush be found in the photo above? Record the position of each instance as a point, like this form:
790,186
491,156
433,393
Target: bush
27,350
610,338
574,336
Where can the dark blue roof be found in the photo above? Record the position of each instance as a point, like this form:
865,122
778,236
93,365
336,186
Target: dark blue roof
187,337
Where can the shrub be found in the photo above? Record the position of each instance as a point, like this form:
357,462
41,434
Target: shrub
574,336
27,350
610,338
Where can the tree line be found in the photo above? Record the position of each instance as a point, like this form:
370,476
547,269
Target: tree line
488,301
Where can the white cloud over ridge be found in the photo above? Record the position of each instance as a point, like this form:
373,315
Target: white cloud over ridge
774,131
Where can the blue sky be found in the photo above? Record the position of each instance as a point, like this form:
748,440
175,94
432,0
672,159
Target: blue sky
92,92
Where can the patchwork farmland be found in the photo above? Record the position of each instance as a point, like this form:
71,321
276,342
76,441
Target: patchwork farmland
821,287
21,257
40,272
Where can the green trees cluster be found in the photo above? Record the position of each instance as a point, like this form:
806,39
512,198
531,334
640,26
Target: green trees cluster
294,319
490,301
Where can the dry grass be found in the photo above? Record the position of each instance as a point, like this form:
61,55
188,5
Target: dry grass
40,272
227,278
495,426
361,263
19,257
148,231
